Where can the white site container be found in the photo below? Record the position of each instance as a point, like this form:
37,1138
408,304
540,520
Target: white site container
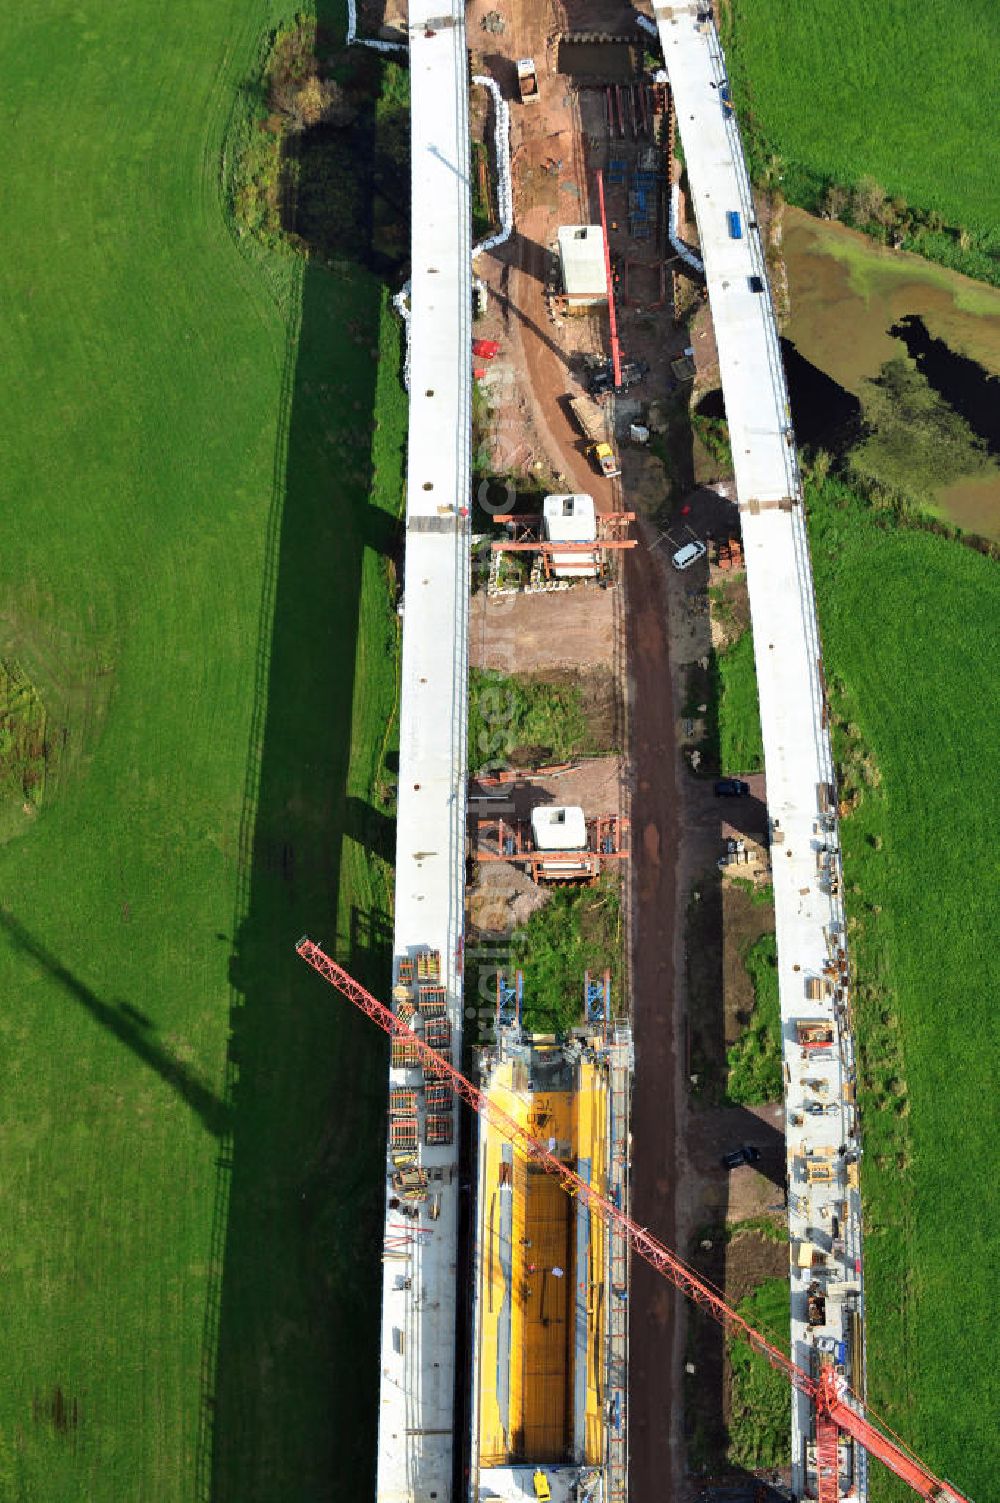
581,259
571,518
558,828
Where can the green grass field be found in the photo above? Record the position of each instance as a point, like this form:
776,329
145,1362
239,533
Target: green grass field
909,630
578,929
909,622
531,721
197,510
755,1058
759,1421
741,748
899,90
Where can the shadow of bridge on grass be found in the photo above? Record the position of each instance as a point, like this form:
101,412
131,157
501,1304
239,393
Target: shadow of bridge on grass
290,1351
289,1399
290,1364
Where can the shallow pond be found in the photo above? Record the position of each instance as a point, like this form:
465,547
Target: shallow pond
855,305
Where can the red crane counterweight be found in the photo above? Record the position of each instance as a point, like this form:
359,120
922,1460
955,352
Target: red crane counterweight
830,1394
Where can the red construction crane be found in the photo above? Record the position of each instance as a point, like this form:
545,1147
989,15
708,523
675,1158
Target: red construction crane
837,1408
616,354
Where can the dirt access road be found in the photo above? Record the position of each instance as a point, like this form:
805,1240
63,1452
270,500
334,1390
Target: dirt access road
678,1185
535,433
655,1337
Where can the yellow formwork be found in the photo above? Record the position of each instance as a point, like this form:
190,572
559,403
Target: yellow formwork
592,1140
545,1282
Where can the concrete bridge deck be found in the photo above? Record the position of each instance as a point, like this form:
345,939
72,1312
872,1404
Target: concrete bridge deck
417,1394
820,1115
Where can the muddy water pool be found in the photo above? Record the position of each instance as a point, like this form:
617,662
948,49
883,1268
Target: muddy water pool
855,305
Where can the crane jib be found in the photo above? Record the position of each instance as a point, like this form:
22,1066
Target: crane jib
829,1393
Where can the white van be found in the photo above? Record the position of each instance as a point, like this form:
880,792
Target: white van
686,556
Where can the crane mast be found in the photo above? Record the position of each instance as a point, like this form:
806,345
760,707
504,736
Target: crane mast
835,1413
616,353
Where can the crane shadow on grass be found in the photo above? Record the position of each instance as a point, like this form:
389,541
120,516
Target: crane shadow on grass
128,1024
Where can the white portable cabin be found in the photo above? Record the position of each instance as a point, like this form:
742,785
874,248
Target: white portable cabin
581,258
571,518
559,828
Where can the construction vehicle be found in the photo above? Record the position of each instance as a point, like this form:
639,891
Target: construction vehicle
837,1408
590,421
527,79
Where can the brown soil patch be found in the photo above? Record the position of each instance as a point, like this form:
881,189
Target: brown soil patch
502,899
537,633
502,896
593,783
383,18
731,608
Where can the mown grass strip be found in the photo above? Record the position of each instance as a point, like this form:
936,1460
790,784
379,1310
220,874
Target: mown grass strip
741,746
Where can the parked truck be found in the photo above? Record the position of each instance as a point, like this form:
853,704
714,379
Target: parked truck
590,421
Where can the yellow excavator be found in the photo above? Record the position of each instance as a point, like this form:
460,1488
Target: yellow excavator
590,421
